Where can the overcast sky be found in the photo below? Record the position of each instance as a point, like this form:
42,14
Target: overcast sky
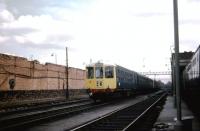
136,34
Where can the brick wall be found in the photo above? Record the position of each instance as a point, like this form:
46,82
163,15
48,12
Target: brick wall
32,76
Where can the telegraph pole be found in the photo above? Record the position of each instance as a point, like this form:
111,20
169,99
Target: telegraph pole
178,126
67,75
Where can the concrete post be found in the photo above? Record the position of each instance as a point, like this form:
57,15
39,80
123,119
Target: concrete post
179,125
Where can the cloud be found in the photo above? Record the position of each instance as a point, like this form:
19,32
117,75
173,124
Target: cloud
190,21
42,46
11,46
112,30
25,44
34,32
189,10
150,14
6,16
15,31
189,44
35,7
24,7
193,1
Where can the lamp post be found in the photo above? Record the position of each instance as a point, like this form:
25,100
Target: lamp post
53,54
154,80
143,64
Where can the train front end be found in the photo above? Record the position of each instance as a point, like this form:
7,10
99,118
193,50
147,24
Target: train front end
100,80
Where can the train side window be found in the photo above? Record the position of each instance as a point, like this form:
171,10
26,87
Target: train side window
99,72
90,72
109,72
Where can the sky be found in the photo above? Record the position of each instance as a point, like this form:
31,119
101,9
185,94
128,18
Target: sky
136,34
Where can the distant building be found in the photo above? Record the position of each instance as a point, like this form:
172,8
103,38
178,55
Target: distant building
184,59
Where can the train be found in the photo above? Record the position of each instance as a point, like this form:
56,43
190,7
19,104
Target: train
191,74
107,80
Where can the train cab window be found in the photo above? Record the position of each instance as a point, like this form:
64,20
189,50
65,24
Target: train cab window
109,72
99,72
90,72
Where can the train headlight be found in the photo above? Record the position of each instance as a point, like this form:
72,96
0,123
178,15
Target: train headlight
90,94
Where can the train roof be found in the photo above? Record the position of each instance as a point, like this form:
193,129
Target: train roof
103,64
99,64
125,68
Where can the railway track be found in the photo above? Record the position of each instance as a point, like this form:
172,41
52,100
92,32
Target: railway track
127,118
37,106
23,120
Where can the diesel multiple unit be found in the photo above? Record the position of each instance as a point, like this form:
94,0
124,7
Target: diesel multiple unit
103,80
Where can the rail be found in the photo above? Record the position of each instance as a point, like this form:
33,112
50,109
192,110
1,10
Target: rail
122,119
21,121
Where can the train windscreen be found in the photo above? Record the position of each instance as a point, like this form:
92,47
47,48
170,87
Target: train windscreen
109,72
99,72
90,72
